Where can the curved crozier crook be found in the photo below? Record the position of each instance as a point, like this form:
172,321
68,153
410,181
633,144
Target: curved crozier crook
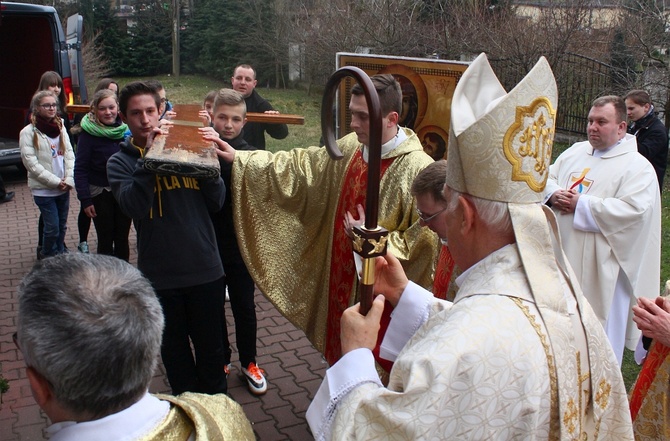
375,147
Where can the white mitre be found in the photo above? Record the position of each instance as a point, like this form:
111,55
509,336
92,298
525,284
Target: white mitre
500,149
500,143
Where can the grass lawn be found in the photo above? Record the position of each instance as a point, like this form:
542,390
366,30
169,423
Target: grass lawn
192,89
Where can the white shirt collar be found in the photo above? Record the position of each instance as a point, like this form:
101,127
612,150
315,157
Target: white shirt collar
129,424
389,145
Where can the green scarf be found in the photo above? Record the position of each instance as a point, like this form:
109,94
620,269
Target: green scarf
92,127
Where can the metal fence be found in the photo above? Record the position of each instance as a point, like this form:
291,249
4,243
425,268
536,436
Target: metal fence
580,80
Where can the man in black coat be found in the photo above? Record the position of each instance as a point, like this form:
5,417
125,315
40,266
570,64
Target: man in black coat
244,81
651,134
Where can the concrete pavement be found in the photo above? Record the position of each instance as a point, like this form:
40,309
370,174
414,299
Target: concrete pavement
294,368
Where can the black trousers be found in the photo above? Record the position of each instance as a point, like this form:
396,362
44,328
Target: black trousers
112,226
194,312
241,293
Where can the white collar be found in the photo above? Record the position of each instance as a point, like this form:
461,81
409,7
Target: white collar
388,146
129,424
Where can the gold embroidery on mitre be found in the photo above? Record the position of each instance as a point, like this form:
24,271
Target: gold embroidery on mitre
570,417
528,142
603,394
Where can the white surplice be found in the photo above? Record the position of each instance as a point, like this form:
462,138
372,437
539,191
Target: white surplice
482,368
613,239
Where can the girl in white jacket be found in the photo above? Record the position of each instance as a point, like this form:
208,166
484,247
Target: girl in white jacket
47,154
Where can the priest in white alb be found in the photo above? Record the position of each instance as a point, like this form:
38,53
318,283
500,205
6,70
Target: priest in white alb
607,201
519,354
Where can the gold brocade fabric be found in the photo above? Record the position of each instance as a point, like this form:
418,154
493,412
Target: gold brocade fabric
652,421
284,211
214,418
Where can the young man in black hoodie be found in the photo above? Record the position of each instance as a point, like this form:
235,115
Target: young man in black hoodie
228,119
176,246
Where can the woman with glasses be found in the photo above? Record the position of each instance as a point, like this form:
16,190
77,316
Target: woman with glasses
47,154
52,81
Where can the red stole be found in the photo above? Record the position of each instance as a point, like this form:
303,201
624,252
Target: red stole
342,267
443,272
655,358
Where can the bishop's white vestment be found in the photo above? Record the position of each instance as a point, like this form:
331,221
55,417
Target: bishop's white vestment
612,241
480,368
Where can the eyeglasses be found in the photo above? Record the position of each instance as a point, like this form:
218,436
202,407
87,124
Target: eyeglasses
49,106
164,100
429,218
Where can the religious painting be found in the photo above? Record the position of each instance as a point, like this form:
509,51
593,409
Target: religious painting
427,88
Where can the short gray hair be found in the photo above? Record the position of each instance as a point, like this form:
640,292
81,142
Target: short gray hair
494,214
91,325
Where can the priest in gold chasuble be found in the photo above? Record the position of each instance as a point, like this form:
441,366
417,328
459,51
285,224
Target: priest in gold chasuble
289,209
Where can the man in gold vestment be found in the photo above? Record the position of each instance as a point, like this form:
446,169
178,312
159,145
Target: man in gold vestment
89,328
289,209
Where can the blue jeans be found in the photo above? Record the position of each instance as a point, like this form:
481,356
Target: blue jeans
54,211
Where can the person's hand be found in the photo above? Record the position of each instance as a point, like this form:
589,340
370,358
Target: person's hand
223,149
564,200
165,124
350,222
90,211
62,185
390,278
152,135
360,331
272,112
205,117
170,114
653,318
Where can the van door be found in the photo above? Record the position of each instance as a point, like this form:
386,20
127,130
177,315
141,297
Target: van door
75,32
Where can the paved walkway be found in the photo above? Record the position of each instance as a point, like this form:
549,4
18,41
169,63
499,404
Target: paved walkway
294,368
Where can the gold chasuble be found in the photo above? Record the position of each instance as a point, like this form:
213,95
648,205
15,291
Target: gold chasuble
342,267
210,417
285,208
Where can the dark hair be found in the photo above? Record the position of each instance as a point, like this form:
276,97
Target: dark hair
244,66
51,78
104,84
389,91
639,97
137,88
431,181
155,84
441,144
211,96
618,103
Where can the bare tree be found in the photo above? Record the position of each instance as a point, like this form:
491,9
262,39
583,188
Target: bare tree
647,25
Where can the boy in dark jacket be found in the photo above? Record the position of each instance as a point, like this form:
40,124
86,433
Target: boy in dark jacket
228,118
176,248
